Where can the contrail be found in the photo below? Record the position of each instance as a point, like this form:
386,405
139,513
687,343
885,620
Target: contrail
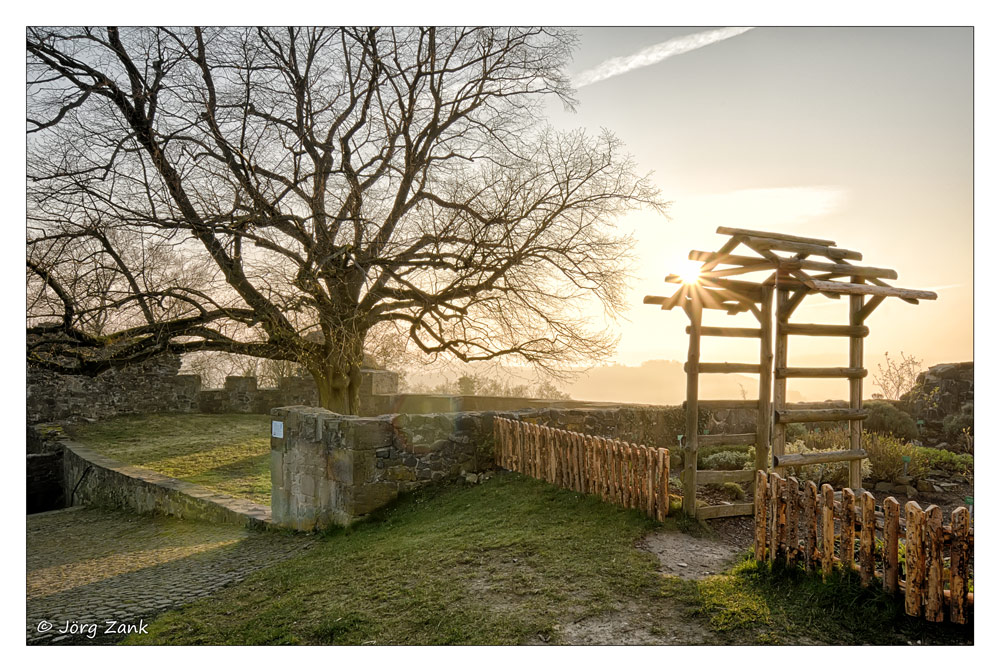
655,54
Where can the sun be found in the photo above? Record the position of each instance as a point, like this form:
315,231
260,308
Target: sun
690,272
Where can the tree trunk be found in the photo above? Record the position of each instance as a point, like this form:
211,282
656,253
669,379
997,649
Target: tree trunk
339,388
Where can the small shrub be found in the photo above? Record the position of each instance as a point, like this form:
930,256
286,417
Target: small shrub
707,452
795,431
732,490
945,460
831,438
884,418
726,460
885,457
956,422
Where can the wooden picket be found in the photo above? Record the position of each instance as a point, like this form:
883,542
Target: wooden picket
632,476
934,575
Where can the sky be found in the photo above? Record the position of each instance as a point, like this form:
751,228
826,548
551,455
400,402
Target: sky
859,135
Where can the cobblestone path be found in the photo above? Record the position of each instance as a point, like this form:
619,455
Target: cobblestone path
86,567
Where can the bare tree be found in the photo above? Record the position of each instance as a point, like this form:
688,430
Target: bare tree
234,190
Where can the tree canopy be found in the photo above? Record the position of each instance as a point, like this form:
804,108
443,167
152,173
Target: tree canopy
288,193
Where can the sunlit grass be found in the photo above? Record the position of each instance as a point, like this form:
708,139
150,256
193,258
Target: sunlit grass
226,453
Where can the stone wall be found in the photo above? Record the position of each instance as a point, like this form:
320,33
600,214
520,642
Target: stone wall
44,469
332,469
156,387
97,480
150,387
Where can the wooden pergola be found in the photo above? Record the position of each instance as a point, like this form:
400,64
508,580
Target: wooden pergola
796,267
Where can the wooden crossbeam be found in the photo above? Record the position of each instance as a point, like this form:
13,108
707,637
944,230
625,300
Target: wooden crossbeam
821,330
762,243
726,367
800,459
873,290
724,510
728,332
841,268
820,372
729,231
820,415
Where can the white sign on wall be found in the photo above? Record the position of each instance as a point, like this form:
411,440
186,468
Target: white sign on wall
277,429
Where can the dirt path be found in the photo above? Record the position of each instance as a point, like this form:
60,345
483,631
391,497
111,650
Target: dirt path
679,554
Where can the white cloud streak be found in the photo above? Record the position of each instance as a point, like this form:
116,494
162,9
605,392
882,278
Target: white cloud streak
654,54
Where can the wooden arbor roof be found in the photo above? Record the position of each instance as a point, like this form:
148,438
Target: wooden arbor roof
788,259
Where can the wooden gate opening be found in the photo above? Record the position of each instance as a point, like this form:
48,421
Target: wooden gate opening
806,266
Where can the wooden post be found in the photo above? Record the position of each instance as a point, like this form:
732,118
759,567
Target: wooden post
780,384
915,570
649,479
774,494
764,415
856,384
760,516
828,534
811,513
935,564
781,514
792,528
890,559
847,529
866,556
691,425
958,582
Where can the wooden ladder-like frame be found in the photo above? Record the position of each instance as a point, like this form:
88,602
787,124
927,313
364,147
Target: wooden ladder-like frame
772,302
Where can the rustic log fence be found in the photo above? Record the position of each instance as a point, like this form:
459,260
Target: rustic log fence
917,554
629,475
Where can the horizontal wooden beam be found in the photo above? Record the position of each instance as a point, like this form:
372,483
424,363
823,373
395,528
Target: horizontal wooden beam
800,248
724,510
725,367
726,439
821,415
871,290
655,300
819,372
800,459
729,231
740,476
729,332
821,330
788,264
724,404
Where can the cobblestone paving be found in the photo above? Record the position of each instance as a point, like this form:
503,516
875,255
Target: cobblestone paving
86,567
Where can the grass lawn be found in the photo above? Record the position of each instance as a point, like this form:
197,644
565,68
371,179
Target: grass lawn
226,453
514,561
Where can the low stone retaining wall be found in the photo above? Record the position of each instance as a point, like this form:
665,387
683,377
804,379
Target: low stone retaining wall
331,469
92,478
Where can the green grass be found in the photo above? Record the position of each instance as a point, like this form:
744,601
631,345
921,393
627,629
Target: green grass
755,604
498,563
226,453
513,561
